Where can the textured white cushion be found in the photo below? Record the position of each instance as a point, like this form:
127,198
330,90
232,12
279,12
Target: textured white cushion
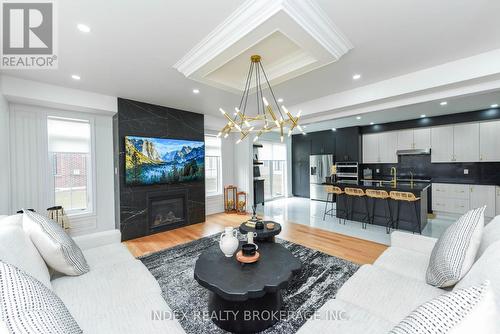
455,251
115,253
463,311
404,262
98,239
491,234
17,249
130,318
56,247
340,317
27,306
486,268
385,294
16,219
105,288
413,242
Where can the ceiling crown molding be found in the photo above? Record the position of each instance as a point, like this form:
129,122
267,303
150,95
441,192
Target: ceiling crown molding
302,22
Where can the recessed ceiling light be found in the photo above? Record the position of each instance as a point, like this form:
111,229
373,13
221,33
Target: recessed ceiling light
371,123
334,129
494,105
358,117
443,103
83,27
356,76
75,77
196,91
280,100
304,126
423,116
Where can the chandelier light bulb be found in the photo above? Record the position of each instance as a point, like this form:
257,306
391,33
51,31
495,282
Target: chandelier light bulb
236,109
219,134
299,113
222,111
251,129
265,101
284,108
247,124
281,138
289,132
277,123
300,128
225,136
255,138
238,141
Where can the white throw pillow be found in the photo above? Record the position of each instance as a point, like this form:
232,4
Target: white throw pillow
17,249
455,251
463,311
56,247
29,307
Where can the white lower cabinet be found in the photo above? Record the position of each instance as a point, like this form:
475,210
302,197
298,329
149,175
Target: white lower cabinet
498,201
460,198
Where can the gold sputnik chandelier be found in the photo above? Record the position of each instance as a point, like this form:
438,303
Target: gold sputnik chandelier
266,119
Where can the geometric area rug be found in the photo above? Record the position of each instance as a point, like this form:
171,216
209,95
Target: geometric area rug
320,278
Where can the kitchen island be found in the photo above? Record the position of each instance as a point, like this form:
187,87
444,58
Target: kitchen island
380,215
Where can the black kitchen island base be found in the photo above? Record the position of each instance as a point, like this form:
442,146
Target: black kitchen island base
409,219
249,316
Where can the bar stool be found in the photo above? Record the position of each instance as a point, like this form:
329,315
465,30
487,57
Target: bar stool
332,191
359,193
411,199
377,194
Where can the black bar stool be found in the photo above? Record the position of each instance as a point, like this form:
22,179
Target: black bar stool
377,194
359,193
412,200
334,191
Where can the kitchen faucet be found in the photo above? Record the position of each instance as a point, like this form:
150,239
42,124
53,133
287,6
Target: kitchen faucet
394,173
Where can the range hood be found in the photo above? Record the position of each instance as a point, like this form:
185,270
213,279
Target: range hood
417,151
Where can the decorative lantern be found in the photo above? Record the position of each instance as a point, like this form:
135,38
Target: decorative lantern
230,199
242,203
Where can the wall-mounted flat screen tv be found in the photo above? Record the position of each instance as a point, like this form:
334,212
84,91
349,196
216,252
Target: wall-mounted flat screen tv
158,161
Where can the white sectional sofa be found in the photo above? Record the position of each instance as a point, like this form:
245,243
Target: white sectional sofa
117,295
379,296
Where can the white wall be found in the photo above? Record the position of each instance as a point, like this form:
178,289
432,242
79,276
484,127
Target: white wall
30,166
5,156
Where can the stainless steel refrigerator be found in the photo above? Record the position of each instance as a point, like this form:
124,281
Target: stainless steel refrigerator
319,170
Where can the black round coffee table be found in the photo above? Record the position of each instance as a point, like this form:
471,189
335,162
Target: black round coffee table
264,234
246,298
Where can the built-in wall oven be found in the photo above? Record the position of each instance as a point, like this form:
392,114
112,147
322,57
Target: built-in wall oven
319,169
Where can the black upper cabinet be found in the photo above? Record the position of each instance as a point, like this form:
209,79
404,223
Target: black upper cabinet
322,142
348,144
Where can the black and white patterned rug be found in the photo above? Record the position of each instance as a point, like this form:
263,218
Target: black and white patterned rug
321,276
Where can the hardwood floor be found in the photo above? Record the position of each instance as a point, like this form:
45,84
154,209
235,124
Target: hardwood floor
353,249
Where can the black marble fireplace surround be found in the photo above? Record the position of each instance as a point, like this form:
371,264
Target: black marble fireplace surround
134,204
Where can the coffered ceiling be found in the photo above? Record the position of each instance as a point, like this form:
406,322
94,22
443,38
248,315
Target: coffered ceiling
407,52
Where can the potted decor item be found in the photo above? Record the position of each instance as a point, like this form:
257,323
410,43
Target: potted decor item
229,241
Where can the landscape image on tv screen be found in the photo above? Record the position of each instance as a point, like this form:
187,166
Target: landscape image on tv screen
157,160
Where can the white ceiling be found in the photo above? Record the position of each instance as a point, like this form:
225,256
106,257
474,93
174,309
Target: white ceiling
133,46
414,111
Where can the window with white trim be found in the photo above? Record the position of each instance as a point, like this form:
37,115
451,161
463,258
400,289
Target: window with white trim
70,154
273,170
213,173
